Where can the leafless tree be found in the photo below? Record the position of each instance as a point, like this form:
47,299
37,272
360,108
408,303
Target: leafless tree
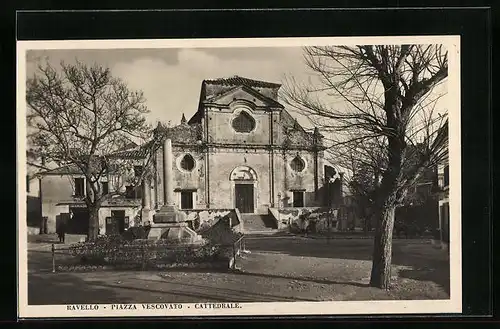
79,116
376,100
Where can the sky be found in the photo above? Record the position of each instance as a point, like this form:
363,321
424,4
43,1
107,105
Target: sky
171,78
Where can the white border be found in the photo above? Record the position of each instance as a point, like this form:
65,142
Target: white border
453,305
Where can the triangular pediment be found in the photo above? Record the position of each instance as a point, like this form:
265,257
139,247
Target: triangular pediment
243,93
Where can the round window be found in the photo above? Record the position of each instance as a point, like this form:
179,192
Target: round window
187,162
297,164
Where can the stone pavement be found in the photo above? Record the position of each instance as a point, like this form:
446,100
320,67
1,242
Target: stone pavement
277,269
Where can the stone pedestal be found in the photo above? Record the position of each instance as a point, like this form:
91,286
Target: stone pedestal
170,223
176,232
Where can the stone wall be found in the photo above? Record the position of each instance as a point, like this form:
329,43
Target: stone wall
201,219
132,213
55,189
228,149
223,162
287,180
220,129
193,180
297,219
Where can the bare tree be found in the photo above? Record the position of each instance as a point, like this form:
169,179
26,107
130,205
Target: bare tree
375,101
80,116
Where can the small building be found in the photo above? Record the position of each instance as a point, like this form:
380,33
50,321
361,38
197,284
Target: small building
63,190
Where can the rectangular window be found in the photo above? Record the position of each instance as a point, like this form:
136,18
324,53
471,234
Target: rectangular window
186,200
133,192
424,189
137,171
129,192
79,187
138,191
105,188
298,199
446,175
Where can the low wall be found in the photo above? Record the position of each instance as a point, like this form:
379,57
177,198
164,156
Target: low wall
296,219
201,219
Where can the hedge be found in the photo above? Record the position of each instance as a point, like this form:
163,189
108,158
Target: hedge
115,250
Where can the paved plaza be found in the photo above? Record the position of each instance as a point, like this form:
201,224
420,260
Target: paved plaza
288,268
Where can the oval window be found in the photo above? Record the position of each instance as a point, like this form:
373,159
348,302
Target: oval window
243,123
187,162
297,164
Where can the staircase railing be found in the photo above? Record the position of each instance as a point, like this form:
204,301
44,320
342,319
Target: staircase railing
238,248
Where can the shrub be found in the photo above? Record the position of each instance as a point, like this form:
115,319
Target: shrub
136,232
295,228
116,250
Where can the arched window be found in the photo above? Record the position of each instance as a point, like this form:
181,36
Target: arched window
187,162
297,164
243,123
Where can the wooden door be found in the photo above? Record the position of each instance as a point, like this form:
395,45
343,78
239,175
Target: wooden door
244,198
79,222
298,199
186,200
116,223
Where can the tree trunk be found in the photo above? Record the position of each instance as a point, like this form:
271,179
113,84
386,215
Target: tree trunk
93,222
382,251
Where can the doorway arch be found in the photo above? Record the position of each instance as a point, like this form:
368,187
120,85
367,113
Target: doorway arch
243,189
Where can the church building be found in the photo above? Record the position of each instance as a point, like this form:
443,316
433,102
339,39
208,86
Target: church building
241,149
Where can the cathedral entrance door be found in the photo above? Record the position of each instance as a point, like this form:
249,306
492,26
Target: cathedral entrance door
244,197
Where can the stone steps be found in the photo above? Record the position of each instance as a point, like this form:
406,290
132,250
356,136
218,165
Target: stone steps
258,223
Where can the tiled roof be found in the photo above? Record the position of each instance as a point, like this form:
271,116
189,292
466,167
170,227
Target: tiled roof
237,80
255,93
137,152
129,146
211,88
122,202
113,202
63,170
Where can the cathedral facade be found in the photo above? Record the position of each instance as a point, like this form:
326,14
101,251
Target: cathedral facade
241,149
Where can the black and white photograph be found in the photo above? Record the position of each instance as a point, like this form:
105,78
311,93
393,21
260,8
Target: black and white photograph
274,176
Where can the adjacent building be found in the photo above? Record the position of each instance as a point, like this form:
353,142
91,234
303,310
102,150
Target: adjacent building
62,193
34,166
444,203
